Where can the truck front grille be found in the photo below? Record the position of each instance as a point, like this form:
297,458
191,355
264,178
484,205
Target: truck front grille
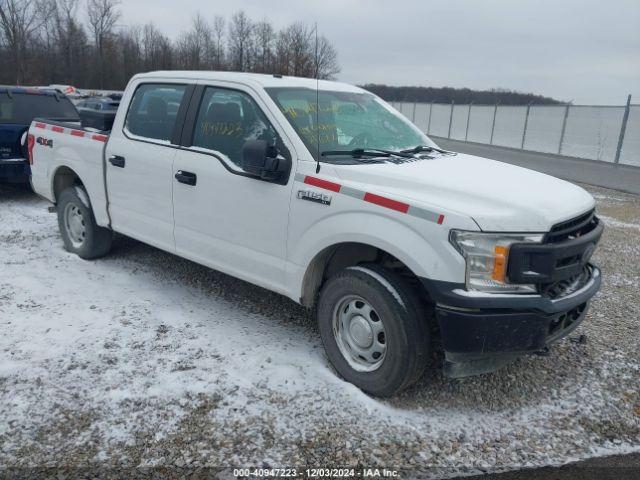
573,228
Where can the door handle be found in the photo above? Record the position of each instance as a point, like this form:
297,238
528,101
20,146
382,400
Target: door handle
117,161
187,178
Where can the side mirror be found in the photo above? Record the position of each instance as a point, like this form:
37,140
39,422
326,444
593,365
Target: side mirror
262,160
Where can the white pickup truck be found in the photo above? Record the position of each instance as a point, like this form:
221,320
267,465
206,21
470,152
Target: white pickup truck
322,192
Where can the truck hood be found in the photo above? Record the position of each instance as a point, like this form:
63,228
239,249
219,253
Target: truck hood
496,195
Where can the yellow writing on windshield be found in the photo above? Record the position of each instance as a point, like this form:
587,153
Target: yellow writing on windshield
323,133
293,112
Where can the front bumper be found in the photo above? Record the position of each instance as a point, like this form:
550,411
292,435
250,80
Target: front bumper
14,170
481,332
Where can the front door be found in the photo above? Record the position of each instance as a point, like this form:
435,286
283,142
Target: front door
224,218
140,165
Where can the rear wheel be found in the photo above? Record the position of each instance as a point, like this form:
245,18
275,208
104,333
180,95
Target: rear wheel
78,227
374,329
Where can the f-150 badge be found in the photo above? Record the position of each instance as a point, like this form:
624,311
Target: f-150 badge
316,197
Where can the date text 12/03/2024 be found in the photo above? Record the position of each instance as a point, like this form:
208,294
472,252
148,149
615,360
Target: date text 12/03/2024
316,473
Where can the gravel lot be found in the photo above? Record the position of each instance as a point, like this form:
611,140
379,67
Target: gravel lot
144,359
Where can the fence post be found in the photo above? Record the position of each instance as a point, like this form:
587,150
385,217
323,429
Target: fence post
413,117
564,128
429,121
451,118
526,122
493,124
623,129
466,133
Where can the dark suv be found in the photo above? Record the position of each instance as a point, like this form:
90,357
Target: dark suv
18,107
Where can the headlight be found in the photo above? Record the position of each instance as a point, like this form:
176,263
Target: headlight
487,255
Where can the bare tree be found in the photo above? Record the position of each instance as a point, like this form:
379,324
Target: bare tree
219,25
131,51
204,37
326,59
196,45
103,16
156,49
297,40
70,40
240,41
265,38
19,21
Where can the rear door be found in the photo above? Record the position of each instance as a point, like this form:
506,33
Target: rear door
224,218
139,165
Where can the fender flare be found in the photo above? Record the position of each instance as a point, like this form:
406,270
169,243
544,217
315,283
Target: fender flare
371,229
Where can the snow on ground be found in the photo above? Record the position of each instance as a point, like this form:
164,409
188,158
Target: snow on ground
145,359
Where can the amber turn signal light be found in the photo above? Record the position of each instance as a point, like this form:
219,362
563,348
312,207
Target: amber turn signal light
500,255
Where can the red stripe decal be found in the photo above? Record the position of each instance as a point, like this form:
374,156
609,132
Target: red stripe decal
40,125
440,219
100,138
318,182
386,202
77,133
57,129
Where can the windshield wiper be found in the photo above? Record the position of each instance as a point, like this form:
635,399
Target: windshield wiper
426,148
368,152
359,156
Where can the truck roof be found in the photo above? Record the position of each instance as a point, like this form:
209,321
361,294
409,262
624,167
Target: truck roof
28,90
253,79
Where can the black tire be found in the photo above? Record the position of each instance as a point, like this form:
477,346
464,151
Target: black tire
405,323
95,241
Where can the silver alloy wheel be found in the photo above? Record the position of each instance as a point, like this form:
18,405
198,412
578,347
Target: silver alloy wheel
74,224
359,333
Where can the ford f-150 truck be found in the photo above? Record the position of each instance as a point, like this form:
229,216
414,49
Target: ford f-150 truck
322,192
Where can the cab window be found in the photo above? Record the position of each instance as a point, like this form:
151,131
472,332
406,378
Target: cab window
153,111
226,120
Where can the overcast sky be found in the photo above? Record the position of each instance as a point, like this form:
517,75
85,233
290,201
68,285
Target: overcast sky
582,50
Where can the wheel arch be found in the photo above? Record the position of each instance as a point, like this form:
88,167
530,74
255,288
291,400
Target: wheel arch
421,248
64,177
338,256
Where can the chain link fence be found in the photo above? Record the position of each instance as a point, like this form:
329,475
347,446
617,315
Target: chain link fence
605,133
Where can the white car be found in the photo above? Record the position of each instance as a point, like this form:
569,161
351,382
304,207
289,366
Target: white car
324,193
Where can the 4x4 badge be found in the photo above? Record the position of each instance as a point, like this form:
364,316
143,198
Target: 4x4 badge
316,197
45,142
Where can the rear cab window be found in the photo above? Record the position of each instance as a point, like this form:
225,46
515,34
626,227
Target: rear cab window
153,111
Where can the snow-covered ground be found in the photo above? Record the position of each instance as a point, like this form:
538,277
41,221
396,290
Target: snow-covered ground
144,359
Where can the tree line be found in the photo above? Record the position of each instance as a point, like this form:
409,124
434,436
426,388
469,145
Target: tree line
82,43
462,96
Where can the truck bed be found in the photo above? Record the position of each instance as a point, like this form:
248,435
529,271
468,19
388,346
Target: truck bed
81,150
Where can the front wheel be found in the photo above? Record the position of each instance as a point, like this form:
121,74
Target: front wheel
80,232
374,329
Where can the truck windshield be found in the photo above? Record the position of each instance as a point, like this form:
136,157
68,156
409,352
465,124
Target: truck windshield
22,108
345,121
